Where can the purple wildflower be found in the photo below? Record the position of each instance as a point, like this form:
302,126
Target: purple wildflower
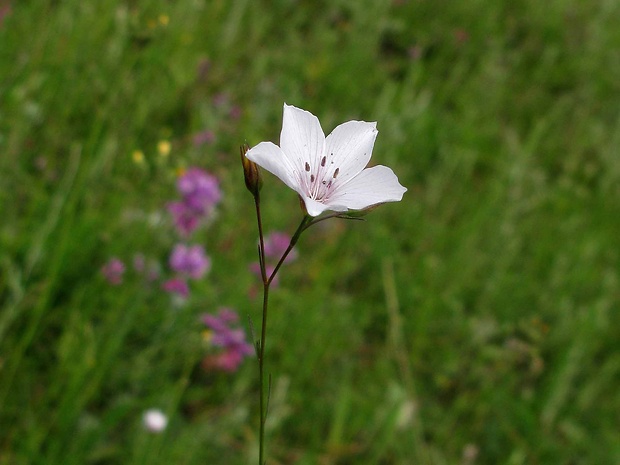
200,193
176,286
185,219
113,271
231,340
200,190
190,260
228,360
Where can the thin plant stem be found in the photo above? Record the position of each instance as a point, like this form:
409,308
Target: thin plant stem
263,403
305,222
261,246
261,346
261,374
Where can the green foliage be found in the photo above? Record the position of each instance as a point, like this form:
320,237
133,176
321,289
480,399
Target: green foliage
476,321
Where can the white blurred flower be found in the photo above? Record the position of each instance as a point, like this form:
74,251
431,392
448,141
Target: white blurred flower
155,420
329,173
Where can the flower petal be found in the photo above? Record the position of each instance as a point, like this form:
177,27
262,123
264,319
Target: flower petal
270,157
315,208
349,147
372,186
302,139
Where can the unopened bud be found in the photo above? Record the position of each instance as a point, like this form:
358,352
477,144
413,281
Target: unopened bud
251,172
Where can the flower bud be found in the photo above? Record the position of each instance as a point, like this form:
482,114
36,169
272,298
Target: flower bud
251,172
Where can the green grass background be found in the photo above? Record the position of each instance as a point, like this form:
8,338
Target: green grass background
475,322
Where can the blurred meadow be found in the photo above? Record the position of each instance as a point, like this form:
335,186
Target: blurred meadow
475,322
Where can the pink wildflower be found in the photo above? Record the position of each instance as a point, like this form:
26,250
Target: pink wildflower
231,340
176,286
113,271
200,193
185,219
200,190
190,260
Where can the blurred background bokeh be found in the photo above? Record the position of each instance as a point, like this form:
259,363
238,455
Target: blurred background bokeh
475,322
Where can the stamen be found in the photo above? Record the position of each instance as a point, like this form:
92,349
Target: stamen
323,160
312,178
307,167
336,172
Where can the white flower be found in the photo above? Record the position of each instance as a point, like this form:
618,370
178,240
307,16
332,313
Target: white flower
155,420
329,173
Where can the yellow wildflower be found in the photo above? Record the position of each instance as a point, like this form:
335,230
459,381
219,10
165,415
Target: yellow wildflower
138,157
163,147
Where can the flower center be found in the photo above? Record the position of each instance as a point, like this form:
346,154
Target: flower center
320,181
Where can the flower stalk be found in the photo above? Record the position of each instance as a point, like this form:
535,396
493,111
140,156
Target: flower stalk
329,174
252,181
261,344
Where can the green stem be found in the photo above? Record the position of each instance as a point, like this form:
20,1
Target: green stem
261,247
260,352
261,374
305,222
